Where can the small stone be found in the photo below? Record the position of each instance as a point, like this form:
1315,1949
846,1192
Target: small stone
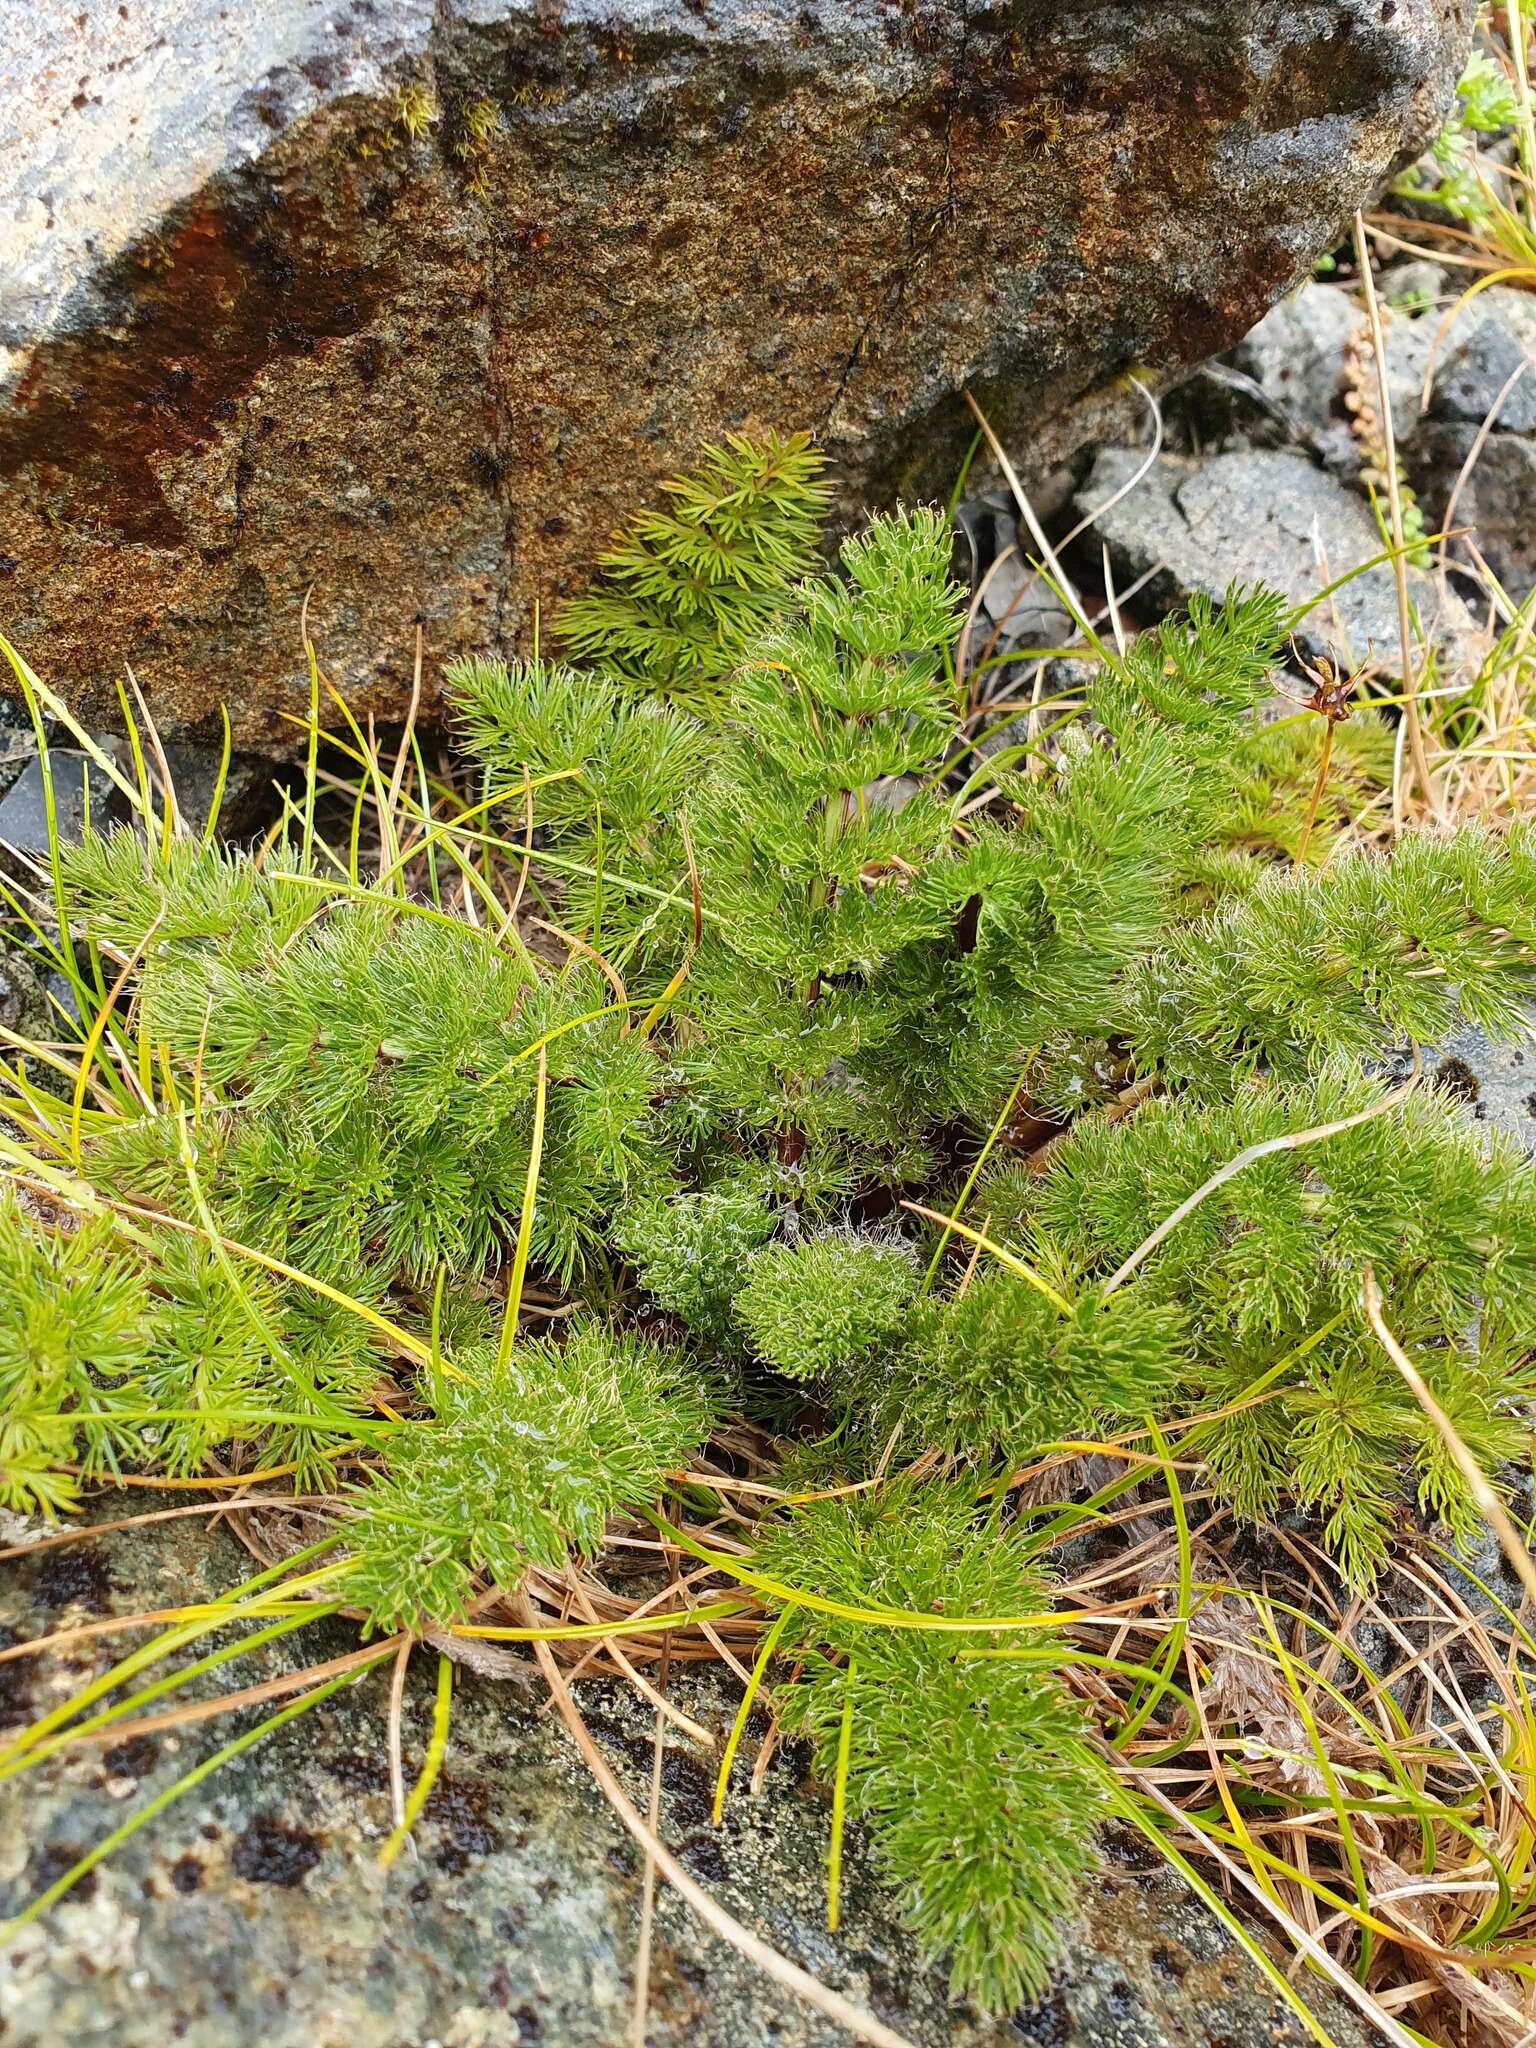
1296,353
24,810
1493,337
1019,606
1262,516
1413,288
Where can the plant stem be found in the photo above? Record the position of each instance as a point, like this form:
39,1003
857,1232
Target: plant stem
1317,795
1395,509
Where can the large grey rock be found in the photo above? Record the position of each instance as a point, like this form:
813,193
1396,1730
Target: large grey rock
261,334
252,1913
1262,516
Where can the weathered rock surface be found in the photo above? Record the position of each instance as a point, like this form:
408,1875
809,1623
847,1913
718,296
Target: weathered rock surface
1487,363
1478,440
1462,379
253,1911
1264,516
16,741
23,1003
1496,502
1296,353
1496,1079
259,333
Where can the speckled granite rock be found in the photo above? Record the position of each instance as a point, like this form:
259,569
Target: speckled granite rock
1264,516
1496,1081
261,330
1484,400
253,1911
23,1004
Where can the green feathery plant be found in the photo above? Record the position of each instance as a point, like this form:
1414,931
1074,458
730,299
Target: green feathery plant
974,1775
922,1104
680,590
1487,103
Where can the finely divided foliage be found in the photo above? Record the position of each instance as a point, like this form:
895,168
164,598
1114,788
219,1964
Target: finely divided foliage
809,945
682,589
